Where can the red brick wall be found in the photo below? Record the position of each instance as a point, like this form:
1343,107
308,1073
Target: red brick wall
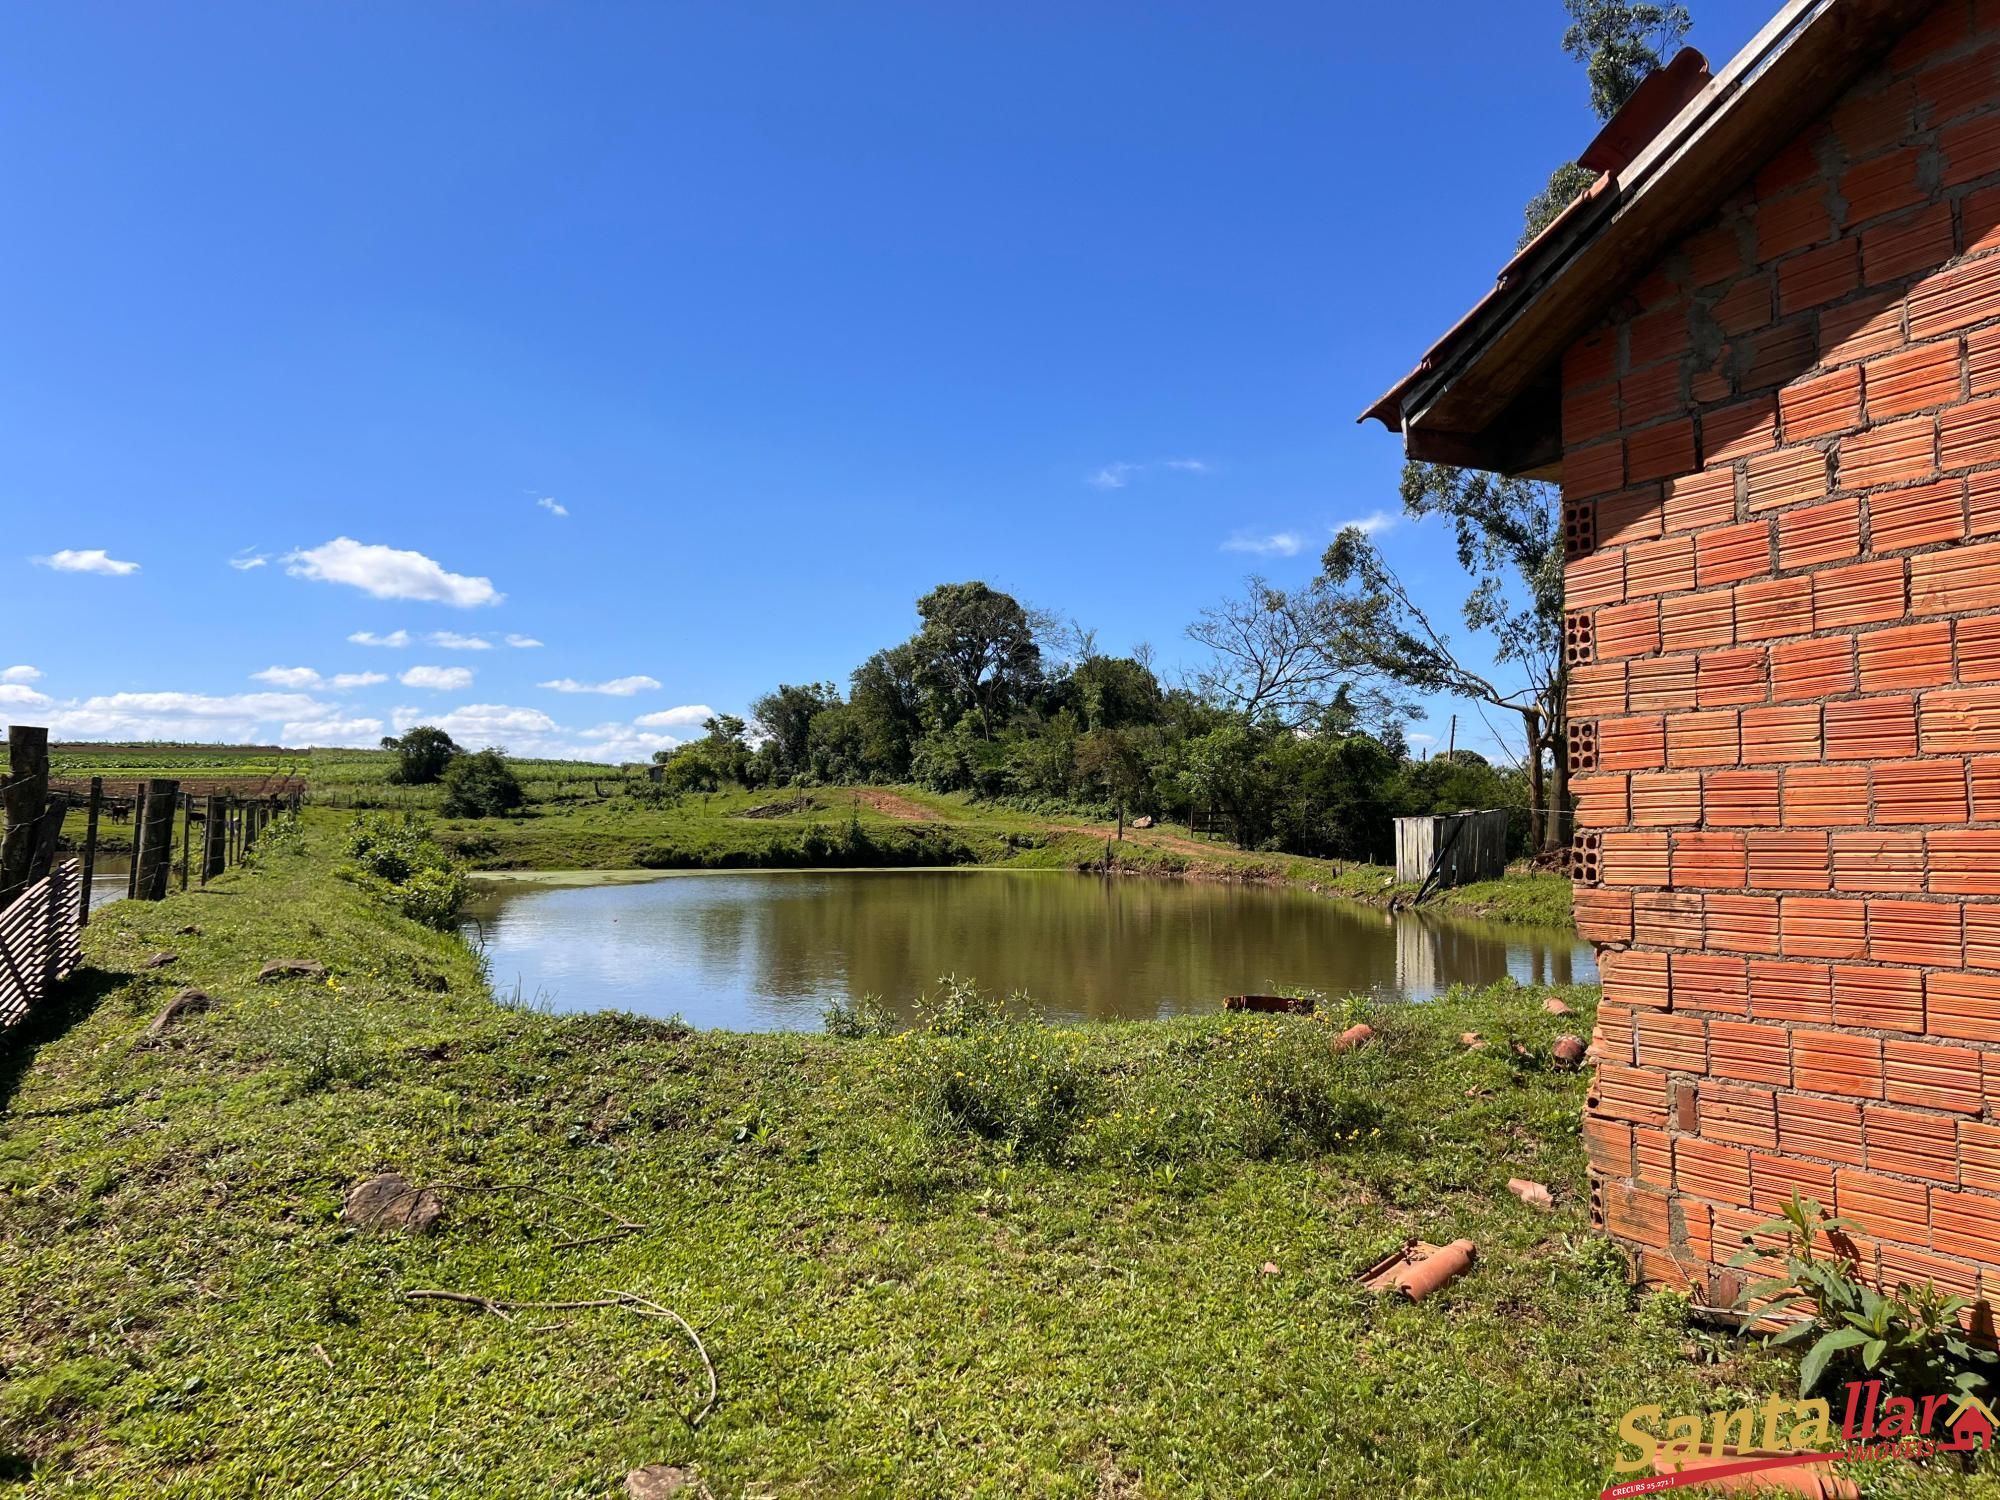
1781,487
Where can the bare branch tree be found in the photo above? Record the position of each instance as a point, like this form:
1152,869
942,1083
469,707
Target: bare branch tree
1268,652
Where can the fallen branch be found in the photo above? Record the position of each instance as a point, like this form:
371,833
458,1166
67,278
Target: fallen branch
695,1339
632,1302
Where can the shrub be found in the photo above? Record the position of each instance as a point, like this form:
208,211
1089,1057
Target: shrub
393,849
1294,1087
433,897
852,1019
1010,1080
282,835
482,785
421,880
960,1008
1909,1339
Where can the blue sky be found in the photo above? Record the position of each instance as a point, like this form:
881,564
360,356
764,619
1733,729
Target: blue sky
693,342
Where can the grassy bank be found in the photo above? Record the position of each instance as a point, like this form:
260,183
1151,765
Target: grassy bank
901,826
585,817
1137,1281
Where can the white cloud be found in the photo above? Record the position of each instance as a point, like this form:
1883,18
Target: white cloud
1117,475
617,743
481,724
331,730
294,719
438,679
1369,525
451,640
237,718
346,680
686,716
550,504
21,695
1277,544
390,573
617,687
91,560
245,560
523,642
289,677
20,674
530,732
395,638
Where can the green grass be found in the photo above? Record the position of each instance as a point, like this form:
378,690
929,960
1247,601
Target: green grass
894,1304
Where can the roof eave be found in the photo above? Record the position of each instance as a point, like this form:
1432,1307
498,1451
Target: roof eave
1475,393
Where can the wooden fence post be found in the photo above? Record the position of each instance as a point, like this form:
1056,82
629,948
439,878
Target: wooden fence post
212,853
187,836
156,839
132,863
26,800
90,842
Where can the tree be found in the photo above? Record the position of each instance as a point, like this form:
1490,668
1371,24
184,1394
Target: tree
976,651
1116,692
1620,45
1267,652
481,785
786,717
421,755
1509,540
886,702
1271,657
1114,764
1566,185
720,755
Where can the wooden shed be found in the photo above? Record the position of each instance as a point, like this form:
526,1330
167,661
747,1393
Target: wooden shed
1461,847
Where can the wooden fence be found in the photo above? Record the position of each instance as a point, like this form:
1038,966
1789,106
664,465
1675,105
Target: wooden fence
182,832
44,905
40,940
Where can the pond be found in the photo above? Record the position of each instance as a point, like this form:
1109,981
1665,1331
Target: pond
767,950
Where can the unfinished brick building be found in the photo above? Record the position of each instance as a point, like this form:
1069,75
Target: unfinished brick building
1762,356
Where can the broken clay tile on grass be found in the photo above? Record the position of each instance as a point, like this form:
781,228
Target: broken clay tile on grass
1534,1194
160,960
1355,1036
1472,1041
1555,1007
1569,1051
1817,1481
1420,1268
1436,1271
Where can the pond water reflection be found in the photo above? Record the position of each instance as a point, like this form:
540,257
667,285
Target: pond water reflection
767,950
